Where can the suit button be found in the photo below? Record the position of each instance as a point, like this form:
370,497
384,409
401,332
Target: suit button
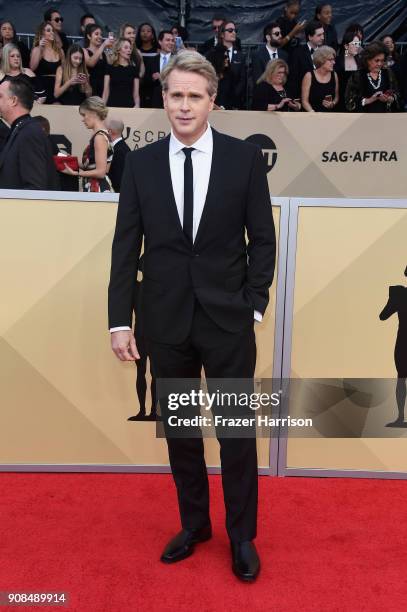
196,254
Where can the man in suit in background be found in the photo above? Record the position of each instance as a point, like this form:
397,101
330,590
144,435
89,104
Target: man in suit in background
208,45
301,61
193,196
26,160
115,128
270,51
154,65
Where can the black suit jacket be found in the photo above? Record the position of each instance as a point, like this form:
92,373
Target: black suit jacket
301,63
115,173
26,159
260,60
229,278
238,69
152,90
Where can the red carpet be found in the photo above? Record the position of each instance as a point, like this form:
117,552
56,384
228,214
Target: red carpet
325,544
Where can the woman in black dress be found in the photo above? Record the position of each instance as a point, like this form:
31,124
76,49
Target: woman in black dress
95,57
320,88
127,30
270,93
46,56
72,78
347,62
397,302
8,35
374,88
122,78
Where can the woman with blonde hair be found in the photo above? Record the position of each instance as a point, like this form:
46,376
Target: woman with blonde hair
121,87
12,66
46,56
270,92
128,30
320,88
72,78
98,154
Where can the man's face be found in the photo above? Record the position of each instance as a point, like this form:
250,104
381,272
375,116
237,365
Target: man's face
167,43
86,22
275,37
7,101
216,24
188,104
57,21
317,39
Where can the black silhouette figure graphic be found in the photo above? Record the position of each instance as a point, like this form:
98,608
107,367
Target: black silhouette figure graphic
141,364
397,302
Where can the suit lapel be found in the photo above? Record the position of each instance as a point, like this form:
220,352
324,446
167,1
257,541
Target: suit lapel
215,182
162,169
11,139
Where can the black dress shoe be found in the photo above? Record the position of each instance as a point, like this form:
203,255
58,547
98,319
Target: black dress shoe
183,544
246,562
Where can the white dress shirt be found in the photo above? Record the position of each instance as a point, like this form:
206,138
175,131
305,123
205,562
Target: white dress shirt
162,55
273,53
116,141
201,167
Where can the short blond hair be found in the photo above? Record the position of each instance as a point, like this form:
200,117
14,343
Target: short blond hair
322,54
191,61
95,105
271,68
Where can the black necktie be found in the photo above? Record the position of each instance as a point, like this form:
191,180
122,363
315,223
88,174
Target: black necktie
188,194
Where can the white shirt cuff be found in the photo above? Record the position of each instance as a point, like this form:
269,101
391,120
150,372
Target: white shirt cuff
123,328
258,316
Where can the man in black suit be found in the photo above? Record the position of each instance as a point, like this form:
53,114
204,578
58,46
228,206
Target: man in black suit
193,196
26,159
208,45
270,51
115,128
301,62
152,90
237,61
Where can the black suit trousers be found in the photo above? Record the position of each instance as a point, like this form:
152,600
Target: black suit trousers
222,354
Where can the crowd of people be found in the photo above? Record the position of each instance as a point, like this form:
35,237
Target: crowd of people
300,66
124,68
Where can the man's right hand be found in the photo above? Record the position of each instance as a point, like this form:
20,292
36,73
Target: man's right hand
124,345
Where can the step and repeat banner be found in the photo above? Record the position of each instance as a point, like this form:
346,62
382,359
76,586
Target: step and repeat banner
66,399
307,154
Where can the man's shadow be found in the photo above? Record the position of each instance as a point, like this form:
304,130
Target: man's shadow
397,302
141,364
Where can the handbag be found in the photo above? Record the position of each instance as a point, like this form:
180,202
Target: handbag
70,160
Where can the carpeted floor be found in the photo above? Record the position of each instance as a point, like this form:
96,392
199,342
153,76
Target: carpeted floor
325,544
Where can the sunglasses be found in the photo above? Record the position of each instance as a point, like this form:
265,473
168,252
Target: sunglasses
278,33
356,44
230,30
58,19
